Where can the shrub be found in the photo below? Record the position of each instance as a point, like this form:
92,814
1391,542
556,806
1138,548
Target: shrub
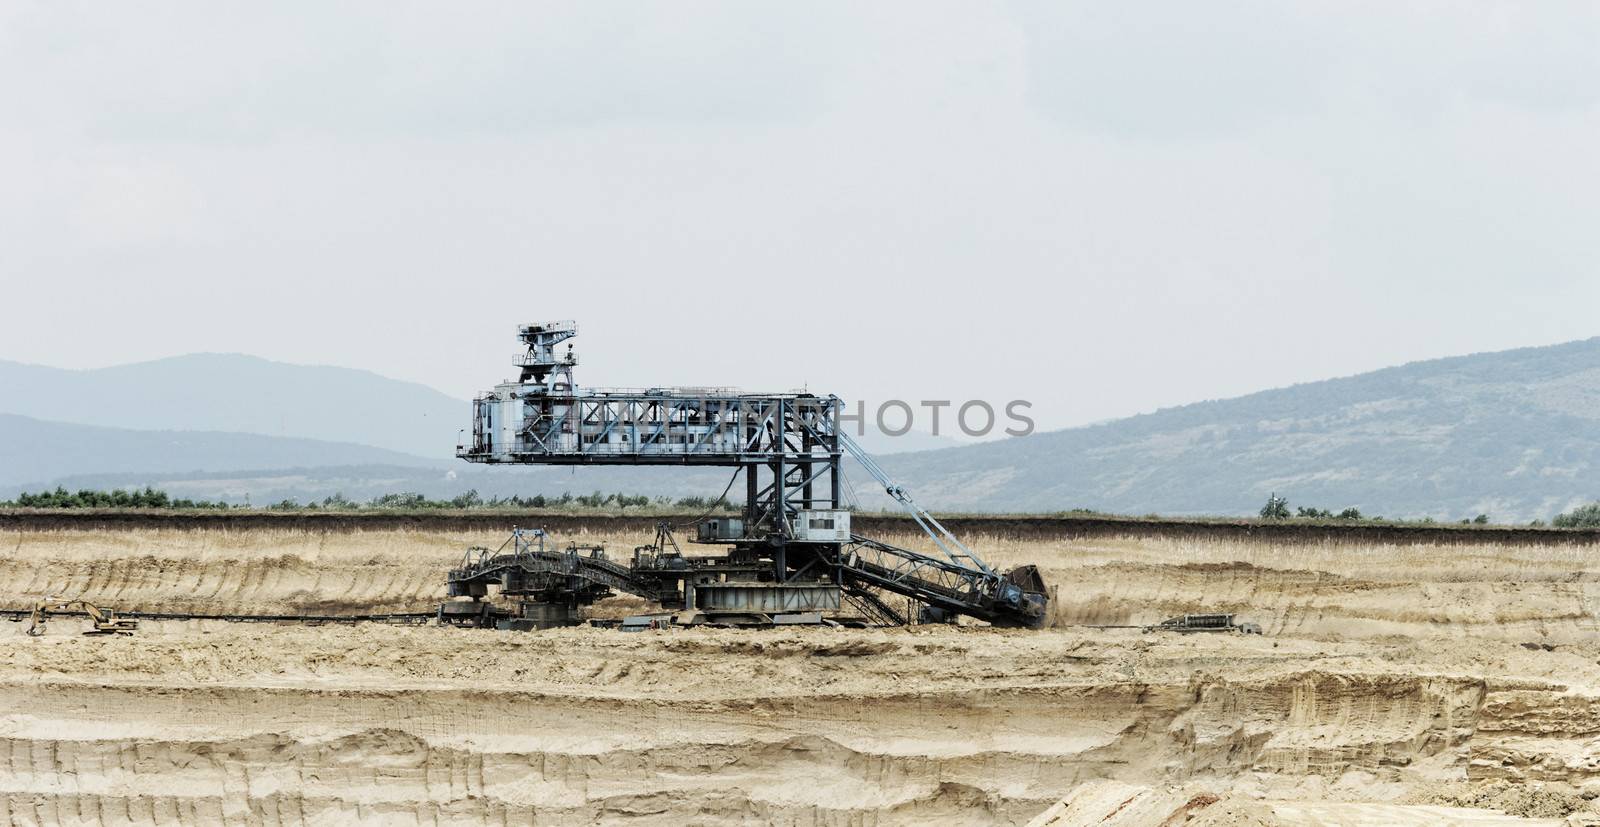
404,499
1277,508
1584,516
116,498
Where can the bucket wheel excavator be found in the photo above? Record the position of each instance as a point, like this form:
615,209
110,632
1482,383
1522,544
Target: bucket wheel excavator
792,549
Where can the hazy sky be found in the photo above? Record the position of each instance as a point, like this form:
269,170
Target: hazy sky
1105,208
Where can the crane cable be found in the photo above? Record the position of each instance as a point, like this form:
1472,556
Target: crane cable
714,503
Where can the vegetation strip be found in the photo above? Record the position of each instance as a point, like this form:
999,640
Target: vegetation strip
1018,526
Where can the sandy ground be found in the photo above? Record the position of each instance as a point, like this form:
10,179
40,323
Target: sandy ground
1394,685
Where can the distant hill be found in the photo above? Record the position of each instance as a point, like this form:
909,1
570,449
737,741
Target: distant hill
242,394
1514,434
364,482
33,452
245,394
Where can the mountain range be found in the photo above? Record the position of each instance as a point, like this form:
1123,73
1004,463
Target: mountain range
33,450
244,394
1513,434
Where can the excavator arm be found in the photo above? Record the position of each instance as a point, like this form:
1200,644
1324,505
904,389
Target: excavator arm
960,582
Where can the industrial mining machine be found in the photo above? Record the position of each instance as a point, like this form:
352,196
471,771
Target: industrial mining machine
101,622
791,554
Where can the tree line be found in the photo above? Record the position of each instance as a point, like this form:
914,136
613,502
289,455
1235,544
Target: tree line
151,497
1277,508
115,498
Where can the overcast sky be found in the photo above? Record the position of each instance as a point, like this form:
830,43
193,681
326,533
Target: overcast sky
1104,208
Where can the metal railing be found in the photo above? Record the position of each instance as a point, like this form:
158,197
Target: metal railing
525,359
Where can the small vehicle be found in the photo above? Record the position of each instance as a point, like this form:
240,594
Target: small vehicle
102,622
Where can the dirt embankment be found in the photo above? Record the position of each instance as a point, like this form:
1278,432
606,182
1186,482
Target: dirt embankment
1514,592
195,724
1011,527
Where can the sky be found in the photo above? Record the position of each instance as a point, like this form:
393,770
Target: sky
1100,208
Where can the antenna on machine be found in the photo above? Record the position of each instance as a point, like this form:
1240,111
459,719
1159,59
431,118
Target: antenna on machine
540,364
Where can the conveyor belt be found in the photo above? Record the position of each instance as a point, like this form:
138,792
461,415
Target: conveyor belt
872,606
398,618
647,584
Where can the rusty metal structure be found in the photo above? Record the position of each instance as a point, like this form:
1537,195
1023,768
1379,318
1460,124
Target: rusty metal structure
791,551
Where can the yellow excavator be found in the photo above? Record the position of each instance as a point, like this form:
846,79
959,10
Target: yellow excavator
103,622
